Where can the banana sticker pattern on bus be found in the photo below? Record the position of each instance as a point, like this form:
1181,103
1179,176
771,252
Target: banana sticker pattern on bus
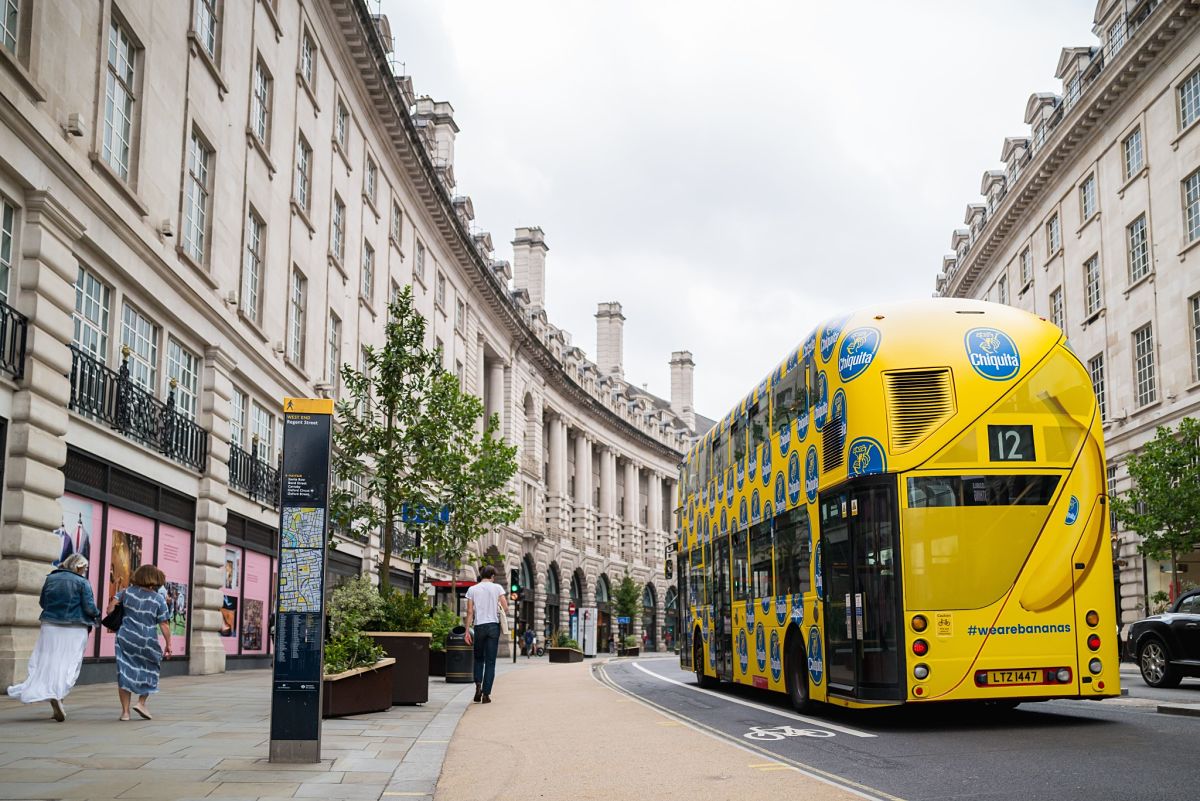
752,463
750,613
740,471
793,484
802,423
816,656
809,348
992,353
785,438
1072,511
743,517
838,412
776,657
729,487
760,646
857,352
755,507
766,608
866,457
781,609
766,465
829,336
768,510
743,651
818,576
797,609
780,491
810,474
821,409
724,521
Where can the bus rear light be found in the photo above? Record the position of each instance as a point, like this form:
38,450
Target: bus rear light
1093,618
1063,675
920,647
1095,666
1093,642
921,672
918,690
919,623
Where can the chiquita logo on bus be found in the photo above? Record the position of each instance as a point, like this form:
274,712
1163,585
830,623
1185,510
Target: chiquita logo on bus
1072,511
766,465
743,651
729,487
766,606
993,354
838,414
866,457
750,614
816,659
780,490
818,576
760,646
781,609
785,438
857,352
797,609
755,507
829,336
810,473
741,474
802,422
724,520
794,478
743,518
821,409
809,347
752,463
776,657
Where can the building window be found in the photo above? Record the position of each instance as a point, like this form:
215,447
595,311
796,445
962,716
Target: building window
252,269
297,301
196,198
308,59
303,173
1092,296
461,376
341,125
397,227
237,419
1002,289
419,263
1139,249
1189,99
1056,308
1132,147
92,299
460,316
1195,301
1096,370
260,103
1191,206
441,351
141,337
1026,267
439,291
1143,365
207,24
183,367
8,24
1087,198
368,272
335,350
1111,486
119,99
262,429
339,229
1053,236
372,180
8,227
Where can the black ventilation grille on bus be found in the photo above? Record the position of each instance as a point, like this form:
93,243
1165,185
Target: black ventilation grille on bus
833,445
918,403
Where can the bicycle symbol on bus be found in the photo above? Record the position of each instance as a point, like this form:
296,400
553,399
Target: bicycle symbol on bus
780,732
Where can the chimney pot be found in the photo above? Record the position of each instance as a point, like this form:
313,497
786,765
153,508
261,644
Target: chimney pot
682,368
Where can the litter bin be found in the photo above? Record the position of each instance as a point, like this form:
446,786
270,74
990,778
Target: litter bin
460,657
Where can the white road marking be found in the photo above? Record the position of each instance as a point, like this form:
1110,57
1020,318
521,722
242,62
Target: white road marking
760,707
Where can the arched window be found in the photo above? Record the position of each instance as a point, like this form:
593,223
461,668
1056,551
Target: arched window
577,588
602,594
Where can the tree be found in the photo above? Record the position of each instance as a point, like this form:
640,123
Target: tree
1163,508
628,598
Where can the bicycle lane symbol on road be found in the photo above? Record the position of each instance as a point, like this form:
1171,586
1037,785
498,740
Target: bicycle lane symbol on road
768,733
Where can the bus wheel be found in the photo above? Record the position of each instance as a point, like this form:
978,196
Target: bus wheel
706,682
796,672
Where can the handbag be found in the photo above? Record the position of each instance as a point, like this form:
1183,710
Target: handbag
112,621
502,616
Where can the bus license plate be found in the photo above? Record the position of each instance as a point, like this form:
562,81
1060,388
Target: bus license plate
1014,677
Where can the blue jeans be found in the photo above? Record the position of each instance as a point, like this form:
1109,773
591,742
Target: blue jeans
487,639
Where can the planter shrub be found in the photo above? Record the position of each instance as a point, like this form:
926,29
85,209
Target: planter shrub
359,690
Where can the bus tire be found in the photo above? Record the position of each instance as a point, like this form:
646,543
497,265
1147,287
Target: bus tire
795,669
705,681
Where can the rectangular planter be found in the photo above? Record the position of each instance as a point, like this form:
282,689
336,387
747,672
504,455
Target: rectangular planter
358,691
410,649
629,651
437,663
564,655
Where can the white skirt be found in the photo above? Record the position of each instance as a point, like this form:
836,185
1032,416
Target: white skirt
53,665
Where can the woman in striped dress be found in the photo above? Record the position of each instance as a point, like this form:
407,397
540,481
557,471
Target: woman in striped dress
138,655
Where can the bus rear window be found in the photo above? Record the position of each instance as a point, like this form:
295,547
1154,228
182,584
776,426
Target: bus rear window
995,490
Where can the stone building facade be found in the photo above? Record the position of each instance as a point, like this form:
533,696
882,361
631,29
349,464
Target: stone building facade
206,206
1092,220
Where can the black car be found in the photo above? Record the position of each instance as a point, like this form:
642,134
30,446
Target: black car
1167,646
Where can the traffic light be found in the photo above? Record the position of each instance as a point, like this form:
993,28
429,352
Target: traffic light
514,580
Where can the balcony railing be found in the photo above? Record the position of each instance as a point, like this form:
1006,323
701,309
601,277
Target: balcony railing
14,329
116,399
253,476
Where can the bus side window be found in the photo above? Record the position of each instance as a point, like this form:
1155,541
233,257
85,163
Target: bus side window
761,585
792,544
720,455
738,437
741,565
703,459
785,400
759,423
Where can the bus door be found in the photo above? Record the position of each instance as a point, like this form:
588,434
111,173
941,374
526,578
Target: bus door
722,641
859,535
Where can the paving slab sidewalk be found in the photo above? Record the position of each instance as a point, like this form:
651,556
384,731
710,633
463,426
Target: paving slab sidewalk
209,739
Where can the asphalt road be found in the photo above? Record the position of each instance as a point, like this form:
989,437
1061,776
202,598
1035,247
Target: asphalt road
1121,749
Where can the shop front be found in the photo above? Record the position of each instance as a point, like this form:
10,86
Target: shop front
248,602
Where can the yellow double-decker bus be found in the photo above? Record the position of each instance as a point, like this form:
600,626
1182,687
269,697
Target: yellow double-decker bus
911,507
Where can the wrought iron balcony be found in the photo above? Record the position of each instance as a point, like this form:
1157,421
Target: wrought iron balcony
253,476
116,399
13,332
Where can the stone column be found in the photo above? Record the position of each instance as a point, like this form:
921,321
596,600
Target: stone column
653,552
44,292
207,654
495,378
580,518
556,489
631,542
607,527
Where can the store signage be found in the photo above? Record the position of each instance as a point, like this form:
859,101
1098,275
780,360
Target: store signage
300,604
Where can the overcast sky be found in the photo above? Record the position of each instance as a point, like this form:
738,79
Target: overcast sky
733,173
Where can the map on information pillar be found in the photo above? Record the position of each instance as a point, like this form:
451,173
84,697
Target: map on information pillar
303,527
302,560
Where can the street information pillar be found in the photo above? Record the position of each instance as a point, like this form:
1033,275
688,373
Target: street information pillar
300,596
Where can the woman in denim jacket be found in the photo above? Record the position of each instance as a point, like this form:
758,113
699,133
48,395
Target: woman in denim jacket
68,613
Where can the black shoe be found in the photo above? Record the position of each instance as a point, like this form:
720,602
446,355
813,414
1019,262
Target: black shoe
60,714
478,692
487,699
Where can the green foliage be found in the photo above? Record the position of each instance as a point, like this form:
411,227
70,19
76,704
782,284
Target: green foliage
354,603
408,434
565,640
628,598
402,612
630,641
443,620
1159,601
1163,507
350,649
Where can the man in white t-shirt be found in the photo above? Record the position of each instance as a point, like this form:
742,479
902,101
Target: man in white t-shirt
485,603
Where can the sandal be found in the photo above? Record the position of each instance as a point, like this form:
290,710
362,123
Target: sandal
143,713
123,717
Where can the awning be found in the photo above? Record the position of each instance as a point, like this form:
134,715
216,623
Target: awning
463,584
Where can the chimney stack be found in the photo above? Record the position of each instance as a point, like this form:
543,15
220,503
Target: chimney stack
529,264
440,115
609,339
682,368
